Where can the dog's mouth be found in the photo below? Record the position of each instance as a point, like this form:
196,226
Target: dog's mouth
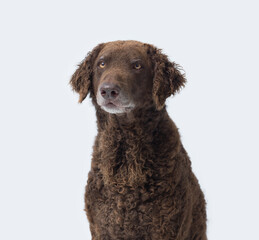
116,107
110,105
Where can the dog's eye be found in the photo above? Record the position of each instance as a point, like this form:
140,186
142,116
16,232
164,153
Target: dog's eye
137,66
102,64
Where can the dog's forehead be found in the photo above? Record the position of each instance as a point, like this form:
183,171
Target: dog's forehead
122,49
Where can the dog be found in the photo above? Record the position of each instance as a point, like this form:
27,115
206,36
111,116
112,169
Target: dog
141,184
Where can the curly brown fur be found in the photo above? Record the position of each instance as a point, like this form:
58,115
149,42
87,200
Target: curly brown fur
141,185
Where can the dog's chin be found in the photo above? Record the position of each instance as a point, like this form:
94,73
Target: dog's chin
115,109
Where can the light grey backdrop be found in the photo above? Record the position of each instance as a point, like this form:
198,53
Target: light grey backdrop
46,137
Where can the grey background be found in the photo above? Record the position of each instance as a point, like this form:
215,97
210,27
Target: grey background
46,138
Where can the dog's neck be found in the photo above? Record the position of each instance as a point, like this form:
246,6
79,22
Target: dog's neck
146,119
128,144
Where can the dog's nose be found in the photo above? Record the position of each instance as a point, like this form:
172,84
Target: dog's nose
109,91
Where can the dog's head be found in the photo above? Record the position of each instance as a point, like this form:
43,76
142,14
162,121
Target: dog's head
125,75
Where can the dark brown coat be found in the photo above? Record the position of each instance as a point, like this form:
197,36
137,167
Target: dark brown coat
141,185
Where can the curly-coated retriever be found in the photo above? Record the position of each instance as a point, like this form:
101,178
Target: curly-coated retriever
141,184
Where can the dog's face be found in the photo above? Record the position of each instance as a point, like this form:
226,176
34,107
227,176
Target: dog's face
122,77
125,75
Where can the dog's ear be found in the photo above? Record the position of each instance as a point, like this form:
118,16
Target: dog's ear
81,80
167,79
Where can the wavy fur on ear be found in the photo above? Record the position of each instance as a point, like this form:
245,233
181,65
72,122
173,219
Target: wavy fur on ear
167,76
81,80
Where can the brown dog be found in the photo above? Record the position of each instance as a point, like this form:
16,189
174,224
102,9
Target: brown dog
141,185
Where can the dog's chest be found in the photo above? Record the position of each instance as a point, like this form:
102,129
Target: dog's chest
122,209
